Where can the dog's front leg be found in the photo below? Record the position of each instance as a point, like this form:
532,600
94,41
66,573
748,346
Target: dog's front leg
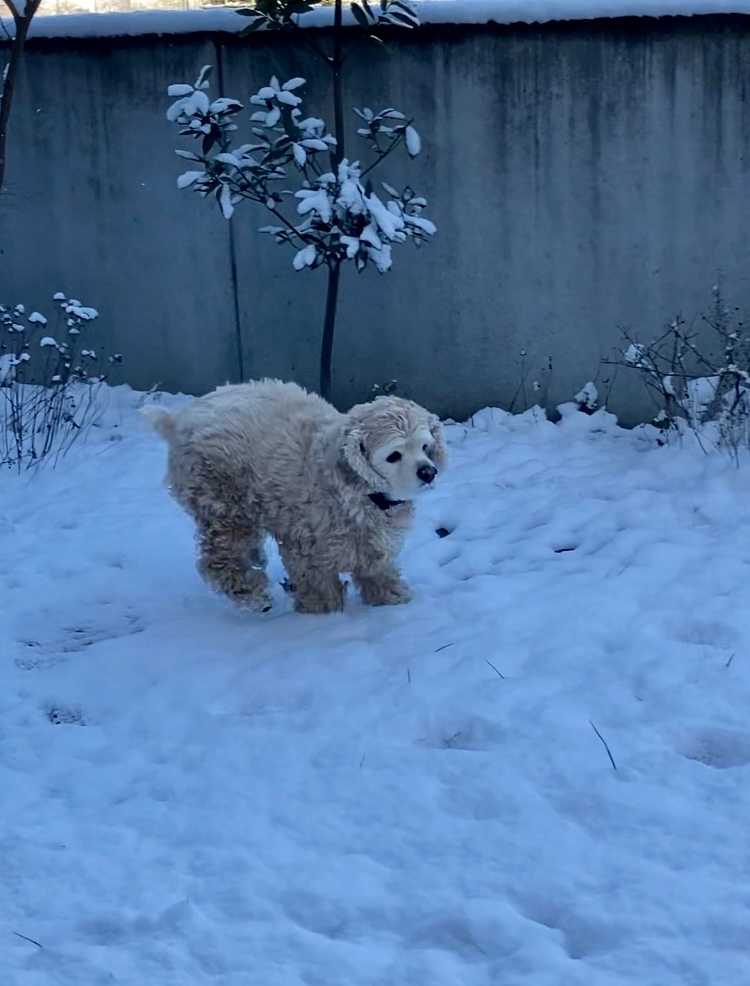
319,592
382,586
316,589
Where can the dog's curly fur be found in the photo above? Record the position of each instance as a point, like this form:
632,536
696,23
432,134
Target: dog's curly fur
270,458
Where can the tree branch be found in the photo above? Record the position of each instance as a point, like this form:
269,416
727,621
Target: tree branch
384,154
8,88
8,81
13,10
337,61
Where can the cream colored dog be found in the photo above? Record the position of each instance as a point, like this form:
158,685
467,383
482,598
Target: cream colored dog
333,489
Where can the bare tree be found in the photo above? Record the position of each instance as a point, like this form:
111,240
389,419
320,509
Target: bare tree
22,12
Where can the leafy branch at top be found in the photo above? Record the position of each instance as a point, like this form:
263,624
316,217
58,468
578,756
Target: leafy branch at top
285,14
338,216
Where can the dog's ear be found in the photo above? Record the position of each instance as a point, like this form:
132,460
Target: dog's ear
440,453
355,453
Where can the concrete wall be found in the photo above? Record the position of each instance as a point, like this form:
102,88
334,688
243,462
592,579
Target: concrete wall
583,176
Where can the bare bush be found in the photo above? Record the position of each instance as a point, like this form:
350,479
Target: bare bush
698,379
49,383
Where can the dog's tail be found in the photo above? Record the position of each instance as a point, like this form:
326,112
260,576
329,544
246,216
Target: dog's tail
161,420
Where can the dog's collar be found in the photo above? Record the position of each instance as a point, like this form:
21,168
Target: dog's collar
384,502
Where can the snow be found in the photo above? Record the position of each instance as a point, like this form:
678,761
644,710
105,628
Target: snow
187,178
588,396
76,309
314,200
7,370
383,797
305,257
429,11
701,392
413,141
225,200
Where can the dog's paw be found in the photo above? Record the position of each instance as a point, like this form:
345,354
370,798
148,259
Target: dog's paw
391,592
322,599
255,602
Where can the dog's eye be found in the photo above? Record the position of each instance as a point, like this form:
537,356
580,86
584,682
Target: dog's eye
394,457
425,448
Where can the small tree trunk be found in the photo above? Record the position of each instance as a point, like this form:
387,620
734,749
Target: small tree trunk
8,86
337,154
337,62
329,324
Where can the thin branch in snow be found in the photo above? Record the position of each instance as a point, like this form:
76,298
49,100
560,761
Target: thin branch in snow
605,744
729,662
497,672
33,941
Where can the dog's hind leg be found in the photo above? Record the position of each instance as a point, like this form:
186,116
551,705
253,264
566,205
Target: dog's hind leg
229,536
232,560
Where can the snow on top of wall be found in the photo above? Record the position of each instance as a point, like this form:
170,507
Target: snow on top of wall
430,11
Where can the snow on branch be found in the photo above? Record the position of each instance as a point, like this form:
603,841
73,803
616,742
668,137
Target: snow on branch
328,212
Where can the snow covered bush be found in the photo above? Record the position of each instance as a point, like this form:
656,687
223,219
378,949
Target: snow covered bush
49,383
700,383
587,398
323,202
383,389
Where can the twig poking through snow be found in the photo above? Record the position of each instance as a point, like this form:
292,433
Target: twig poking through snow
444,647
729,662
605,744
497,672
26,938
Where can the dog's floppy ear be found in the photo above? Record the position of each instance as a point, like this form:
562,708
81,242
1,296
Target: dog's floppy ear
355,453
440,453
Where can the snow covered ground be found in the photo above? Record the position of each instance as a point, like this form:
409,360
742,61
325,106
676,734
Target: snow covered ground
403,797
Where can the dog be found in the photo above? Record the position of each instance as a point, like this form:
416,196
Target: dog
334,490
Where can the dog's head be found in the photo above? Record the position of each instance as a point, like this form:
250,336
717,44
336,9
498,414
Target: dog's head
394,445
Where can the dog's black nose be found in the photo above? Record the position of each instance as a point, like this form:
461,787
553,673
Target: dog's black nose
426,473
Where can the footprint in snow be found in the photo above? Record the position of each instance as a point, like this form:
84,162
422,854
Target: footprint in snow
65,715
582,934
41,653
718,748
706,633
474,735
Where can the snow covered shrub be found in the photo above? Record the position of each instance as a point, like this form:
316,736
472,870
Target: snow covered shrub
702,385
587,398
49,384
323,202
383,389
